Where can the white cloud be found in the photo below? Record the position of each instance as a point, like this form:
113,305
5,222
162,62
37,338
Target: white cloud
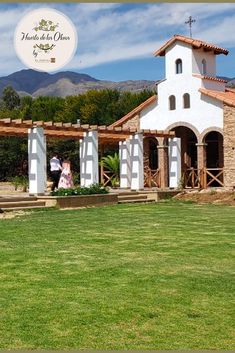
111,55
109,32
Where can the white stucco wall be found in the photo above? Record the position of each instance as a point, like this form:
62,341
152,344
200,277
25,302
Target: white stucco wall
214,85
197,56
203,113
178,51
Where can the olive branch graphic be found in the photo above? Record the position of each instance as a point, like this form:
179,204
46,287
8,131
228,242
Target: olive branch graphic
44,47
46,25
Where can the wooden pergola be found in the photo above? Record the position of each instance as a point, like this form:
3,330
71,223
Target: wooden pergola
91,137
106,134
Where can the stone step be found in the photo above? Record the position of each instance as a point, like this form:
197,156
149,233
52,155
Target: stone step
20,208
127,193
135,201
21,205
18,199
131,197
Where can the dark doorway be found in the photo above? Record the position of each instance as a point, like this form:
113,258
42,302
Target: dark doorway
188,147
153,154
214,159
214,150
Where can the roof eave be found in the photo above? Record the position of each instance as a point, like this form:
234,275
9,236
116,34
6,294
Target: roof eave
196,44
135,111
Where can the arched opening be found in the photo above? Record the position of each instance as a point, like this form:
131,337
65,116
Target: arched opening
151,171
186,101
178,66
214,159
190,174
204,67
172,103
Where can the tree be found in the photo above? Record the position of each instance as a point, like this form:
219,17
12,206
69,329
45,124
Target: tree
46,108
26,107
93,107
112,165
10,98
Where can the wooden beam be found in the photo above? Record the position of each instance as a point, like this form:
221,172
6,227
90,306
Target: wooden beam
68,130
13,131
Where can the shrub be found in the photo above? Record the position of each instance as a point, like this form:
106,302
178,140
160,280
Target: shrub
91,190
76,179
20,181
112,164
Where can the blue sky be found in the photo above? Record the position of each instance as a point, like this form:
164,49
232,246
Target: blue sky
116,41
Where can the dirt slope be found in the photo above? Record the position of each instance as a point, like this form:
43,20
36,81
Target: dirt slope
216,196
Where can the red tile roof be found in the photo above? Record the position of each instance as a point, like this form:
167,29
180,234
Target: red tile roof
195,43
227,97
210,78
135,111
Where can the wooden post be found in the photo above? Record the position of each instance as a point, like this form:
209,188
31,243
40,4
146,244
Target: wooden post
101,166
201,163
163,162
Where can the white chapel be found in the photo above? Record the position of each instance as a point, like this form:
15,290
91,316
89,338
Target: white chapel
194,103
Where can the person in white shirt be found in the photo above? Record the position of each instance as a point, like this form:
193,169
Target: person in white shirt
56,168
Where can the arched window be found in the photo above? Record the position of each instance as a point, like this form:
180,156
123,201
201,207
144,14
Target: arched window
203,67
178,66
186,100
172,103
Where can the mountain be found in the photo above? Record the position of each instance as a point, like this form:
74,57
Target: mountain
65,83
64,87
30,81
231,83
24,80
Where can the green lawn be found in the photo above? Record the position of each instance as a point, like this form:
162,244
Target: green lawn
156,276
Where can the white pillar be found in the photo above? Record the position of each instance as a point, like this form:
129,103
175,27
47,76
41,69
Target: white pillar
125,166
137,162
37,161
174,162
89,166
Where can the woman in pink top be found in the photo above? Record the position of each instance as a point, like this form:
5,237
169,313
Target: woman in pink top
66,180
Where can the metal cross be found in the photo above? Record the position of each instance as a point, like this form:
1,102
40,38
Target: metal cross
189,22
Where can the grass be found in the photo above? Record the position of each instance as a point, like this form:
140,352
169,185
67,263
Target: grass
156,276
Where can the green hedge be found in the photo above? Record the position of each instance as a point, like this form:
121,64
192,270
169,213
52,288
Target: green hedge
91,190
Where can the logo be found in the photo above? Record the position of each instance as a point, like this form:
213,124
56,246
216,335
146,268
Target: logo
45,40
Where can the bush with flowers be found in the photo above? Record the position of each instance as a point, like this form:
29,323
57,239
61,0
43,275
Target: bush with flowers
90,190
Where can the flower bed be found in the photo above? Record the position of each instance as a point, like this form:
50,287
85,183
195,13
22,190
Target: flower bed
90,190
95,195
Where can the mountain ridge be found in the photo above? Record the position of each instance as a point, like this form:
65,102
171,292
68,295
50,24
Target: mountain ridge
34,83
65,83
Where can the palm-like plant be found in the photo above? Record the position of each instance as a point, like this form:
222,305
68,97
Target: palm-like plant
112,164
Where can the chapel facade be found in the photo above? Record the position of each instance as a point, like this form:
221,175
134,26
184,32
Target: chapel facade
194,103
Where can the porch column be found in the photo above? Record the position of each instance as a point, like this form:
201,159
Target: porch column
37,161
137,162
201,163
89,167
101,166
174,162
163,162
125,166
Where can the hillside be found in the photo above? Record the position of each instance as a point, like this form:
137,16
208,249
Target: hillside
64,83
64,87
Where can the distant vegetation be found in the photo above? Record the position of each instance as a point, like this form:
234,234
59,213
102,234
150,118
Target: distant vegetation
93,107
